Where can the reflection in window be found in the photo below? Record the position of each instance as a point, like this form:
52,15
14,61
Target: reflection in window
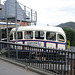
39,35
19,35
60,38
51,36
28,35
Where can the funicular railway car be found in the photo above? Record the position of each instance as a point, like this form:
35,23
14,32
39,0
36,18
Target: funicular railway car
40,36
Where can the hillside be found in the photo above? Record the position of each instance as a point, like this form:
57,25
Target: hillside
70,25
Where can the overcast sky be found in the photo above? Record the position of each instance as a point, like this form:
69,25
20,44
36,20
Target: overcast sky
52,12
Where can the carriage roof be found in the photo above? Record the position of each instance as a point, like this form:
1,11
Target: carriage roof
40,28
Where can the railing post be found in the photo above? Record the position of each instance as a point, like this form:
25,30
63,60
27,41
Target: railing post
31,15
74,64
8,40
16,27
29,55
25,12
65,66
0,38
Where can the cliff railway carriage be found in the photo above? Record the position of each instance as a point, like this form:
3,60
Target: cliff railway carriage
41,36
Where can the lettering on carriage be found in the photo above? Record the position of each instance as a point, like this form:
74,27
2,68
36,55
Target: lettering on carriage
34,43
60,46
51,45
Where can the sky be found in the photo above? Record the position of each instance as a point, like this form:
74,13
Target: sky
52,12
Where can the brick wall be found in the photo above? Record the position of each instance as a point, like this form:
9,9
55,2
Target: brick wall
24,23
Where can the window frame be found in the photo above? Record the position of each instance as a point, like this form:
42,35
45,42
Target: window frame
14,37
39,34
50,34
27,31
61,40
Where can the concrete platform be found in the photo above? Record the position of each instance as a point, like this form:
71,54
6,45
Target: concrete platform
35,70
11,69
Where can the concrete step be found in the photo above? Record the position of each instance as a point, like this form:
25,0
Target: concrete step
3,51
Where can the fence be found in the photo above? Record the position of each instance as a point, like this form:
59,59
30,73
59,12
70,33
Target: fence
60,62
72,48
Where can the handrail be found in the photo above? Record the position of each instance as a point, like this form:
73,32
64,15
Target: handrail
53,49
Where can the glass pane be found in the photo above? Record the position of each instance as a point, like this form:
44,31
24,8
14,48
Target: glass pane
19,35
60,38
51,36
39,35
28,35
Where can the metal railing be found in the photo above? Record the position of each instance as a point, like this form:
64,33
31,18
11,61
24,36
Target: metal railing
60,62
14,10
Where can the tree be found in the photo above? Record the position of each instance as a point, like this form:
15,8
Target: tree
73,41
69,34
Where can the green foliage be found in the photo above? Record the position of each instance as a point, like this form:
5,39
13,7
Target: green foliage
73,39
69,29
70,34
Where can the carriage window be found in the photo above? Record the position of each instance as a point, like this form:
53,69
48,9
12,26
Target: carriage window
51,36
39,35
28,35
60,38
11,37
19,35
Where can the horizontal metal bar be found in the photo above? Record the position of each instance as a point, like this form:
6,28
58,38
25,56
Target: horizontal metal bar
32,46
